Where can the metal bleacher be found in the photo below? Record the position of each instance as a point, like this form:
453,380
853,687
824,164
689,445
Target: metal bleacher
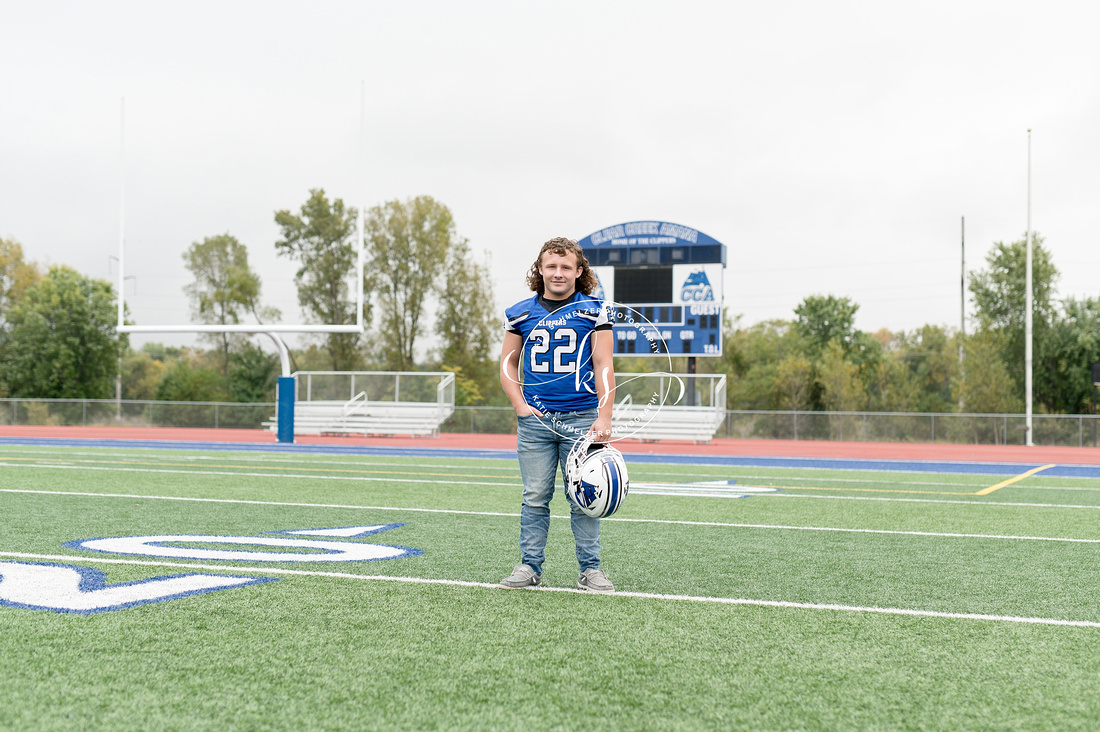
371,403
654,407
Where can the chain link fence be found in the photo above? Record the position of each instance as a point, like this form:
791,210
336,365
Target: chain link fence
134,413
1078,430
985,429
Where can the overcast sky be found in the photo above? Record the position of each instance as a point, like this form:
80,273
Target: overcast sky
832,146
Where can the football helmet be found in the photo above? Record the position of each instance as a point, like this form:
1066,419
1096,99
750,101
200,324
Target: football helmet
595,478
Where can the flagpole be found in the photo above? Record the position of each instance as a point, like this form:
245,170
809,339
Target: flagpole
962,307
1028,309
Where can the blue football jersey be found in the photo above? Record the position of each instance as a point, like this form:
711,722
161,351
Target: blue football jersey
557,350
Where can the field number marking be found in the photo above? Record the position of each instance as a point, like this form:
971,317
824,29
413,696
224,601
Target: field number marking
75,589
308,550
81,590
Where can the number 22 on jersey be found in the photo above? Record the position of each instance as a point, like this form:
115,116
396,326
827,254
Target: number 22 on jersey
555,354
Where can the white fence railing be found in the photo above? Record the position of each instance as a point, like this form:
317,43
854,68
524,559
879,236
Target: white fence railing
371,402
669,406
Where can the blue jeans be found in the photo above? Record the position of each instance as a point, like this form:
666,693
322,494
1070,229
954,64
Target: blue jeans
543,443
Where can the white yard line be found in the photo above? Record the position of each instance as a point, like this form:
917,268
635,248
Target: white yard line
669,522
997,504
255,503
509,469
906,483
321,460
300,476
636,595
297,476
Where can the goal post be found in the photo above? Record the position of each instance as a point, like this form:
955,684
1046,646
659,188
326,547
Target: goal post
286,391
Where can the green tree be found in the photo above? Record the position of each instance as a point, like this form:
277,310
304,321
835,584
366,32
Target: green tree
827,323
999,295
190,380
141,374
410,243
187,382
319,238
163,353
890,388
985,387
16,275
931,354
793,382
468,326
224,290
988,386
825,319
841,388
61,340
999,291
467,391
311,358
1063,378
252,375
751,358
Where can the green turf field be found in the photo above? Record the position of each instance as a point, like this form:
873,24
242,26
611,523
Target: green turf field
844,600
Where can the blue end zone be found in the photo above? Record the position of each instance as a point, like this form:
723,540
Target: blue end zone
904,466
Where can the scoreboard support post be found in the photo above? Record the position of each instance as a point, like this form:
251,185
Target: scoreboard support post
691,382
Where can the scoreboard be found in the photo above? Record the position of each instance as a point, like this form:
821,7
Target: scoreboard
664,282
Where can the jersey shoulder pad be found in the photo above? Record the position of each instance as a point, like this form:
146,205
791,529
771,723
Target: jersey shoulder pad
518,313
511,322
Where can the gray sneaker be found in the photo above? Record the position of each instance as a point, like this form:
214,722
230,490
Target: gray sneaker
521,576
594,580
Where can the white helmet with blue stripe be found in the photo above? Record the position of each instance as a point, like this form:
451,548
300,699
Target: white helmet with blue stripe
595,478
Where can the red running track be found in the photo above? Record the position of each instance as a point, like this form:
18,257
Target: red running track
761,448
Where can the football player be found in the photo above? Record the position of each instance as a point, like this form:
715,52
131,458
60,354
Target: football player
563,336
